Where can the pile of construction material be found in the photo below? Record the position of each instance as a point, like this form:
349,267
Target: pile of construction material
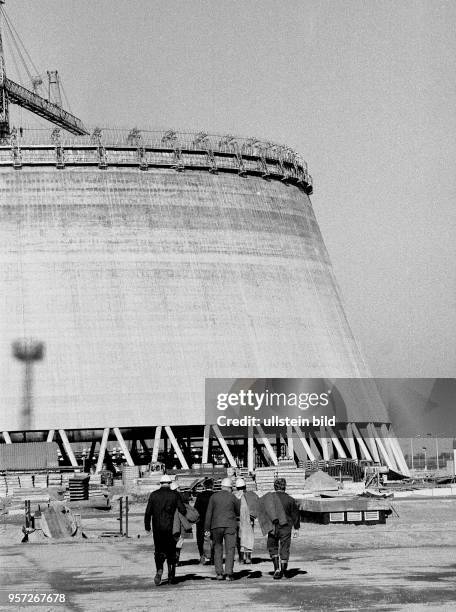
37,496
294,476
319,482
143,486
130,474
95,487
79,487
338,468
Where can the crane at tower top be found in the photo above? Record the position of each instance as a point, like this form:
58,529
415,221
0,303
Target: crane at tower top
14,93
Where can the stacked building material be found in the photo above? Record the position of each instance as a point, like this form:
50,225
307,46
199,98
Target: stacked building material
12,482
294,476
95,487
264,478
54,479
3,486
129,475
25,480
148,484
79,488
22,494
338,468
40,481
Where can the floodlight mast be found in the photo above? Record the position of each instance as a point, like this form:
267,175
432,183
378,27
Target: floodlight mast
13,93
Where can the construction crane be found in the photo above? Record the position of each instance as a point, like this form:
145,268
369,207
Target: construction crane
13,93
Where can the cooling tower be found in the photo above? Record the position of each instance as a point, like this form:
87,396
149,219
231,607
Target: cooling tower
147,262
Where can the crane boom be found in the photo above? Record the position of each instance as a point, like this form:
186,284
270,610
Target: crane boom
11,92
42,107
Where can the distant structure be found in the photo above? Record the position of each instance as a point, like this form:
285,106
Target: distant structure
148,261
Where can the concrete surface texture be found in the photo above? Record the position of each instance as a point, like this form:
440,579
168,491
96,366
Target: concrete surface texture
407,564
142,284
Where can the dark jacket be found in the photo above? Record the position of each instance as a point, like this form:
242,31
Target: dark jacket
161,508
201,504
291,509
270,512
222,510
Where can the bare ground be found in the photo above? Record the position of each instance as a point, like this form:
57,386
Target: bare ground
407,564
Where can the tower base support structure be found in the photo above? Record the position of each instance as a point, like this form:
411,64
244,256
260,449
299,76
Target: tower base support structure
183,447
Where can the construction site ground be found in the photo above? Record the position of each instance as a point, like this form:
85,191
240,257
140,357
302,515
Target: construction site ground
407,564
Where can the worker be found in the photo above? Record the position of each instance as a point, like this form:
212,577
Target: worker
248,513
278,516
221,523
201,504
182,526
161,508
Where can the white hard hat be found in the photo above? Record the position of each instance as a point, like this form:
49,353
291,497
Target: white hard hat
165,479
226,482
174,485
240,482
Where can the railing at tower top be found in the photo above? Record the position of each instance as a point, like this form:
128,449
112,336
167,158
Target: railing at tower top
243,153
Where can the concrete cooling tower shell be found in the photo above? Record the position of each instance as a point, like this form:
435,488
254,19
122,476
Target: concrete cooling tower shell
149,263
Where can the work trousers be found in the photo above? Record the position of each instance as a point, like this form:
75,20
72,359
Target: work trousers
279,541
165,548
227,534
200,537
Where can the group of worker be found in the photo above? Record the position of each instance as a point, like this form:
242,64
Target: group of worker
224,520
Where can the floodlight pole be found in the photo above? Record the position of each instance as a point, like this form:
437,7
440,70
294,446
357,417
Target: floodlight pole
28,351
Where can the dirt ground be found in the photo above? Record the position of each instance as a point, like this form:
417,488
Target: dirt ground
407,564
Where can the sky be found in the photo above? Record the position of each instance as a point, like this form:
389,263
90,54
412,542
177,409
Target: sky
364,90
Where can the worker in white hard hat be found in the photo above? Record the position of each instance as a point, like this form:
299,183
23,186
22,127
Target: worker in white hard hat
221,524
161,508
180,534
247,515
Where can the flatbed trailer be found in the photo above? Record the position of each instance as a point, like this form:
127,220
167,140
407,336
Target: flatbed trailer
358,510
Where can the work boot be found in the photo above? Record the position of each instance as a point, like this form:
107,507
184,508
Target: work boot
202,560
230,577
241,557
283,567
220,577
248,558
171,573
277,572
159,558
158,577
178,554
